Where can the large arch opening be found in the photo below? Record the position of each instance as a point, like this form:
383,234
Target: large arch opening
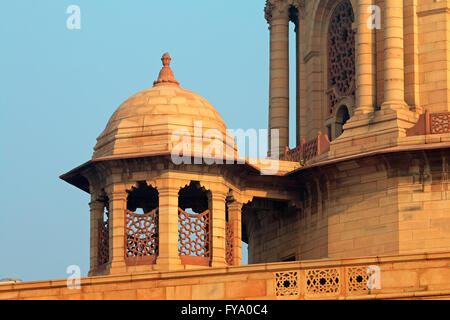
342,116
262,225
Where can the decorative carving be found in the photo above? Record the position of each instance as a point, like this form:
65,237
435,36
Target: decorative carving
194,237
440,123
141,237
103,241
286,284
322,281
341,55
166,76
229,235
357,279
275,8
430,123
268,10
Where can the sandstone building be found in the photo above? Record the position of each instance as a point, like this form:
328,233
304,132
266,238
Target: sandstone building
366,187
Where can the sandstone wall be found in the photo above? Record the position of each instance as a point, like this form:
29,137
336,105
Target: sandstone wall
392,203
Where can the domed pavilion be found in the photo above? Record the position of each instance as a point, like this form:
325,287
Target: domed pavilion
163,193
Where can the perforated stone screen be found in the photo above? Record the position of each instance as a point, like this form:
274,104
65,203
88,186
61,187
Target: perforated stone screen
286,284
341,54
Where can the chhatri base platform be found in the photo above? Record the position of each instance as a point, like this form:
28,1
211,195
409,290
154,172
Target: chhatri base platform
417,276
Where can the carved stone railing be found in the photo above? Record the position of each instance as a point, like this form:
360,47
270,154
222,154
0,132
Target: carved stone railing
141,242
293,154
308,150
431,123
326,282
398,276
194,237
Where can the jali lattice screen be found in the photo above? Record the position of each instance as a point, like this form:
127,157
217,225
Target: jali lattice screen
141,237
341,55
286,284
229,243
103,242
194,237
322,281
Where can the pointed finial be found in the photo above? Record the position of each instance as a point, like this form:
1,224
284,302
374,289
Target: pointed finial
166,76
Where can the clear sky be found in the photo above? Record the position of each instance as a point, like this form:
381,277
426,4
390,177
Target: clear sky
58,88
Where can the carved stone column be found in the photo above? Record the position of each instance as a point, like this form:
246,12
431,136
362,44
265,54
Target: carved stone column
394,70
235,219
365,60
218,228
117,206
277,15
168,258
96,211
368,131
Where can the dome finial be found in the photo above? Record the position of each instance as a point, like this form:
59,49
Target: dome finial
166,76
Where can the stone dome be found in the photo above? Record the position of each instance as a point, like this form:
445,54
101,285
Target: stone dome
156,120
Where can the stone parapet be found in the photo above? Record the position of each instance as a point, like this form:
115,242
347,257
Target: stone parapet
416,276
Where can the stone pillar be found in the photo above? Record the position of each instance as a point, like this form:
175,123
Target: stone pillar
168,258
235,220
394,73
96,212
279,74
117,206
301,85
365,61
218,228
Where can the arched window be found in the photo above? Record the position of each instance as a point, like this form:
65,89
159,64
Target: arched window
342,116
142,225
341,56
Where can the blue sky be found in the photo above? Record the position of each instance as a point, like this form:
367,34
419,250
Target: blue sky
58,88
